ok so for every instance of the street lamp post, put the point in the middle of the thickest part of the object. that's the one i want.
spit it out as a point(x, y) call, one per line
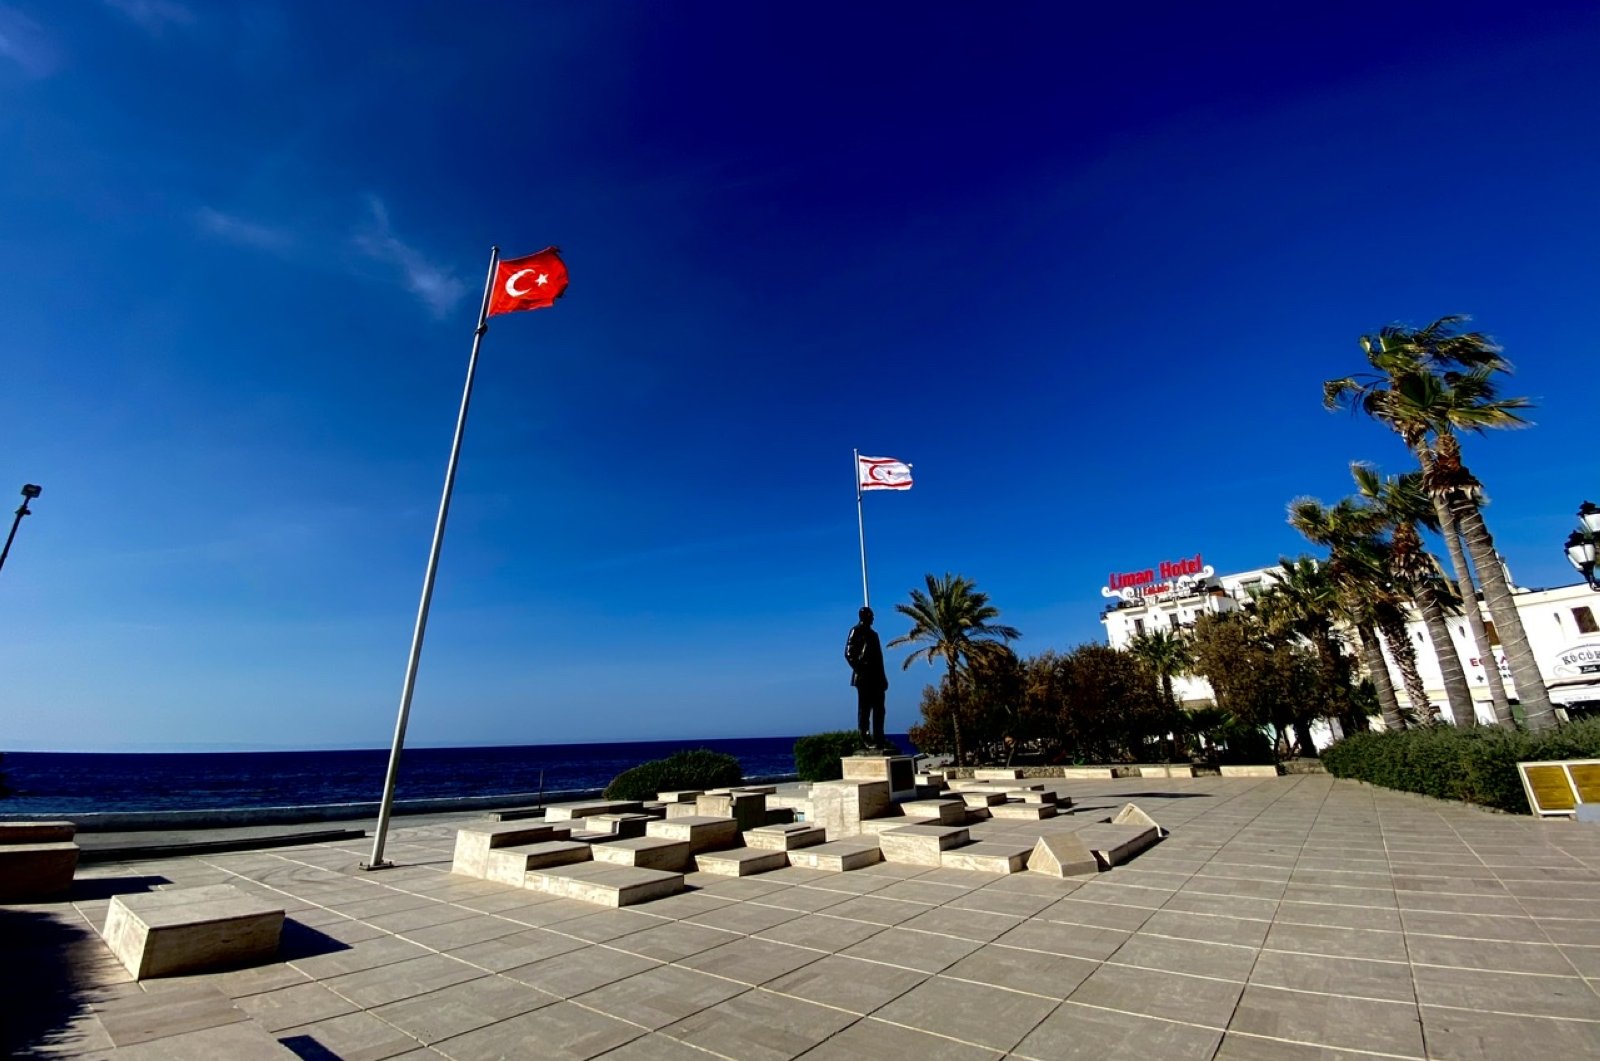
point(1581, 543)
point(29, 492)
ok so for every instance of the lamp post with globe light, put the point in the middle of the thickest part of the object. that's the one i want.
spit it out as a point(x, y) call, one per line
point(1581, 543)
point(29, 492)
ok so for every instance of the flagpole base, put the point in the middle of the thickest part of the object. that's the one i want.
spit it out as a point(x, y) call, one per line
point(370, 866)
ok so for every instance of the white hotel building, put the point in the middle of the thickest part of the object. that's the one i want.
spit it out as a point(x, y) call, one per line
point(1563, 627)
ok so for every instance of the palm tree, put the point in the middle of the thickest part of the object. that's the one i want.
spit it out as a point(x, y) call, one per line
point(952, 622)
point(1303, 599)
point(1402, 504)
point(1356, 564)
point(1167, 654)
point(1427, 385)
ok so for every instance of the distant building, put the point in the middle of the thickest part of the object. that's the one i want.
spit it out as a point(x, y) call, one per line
point(1563, 627)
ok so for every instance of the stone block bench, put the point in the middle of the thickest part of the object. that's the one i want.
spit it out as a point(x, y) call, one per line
point(36, 858)
point(189, 929)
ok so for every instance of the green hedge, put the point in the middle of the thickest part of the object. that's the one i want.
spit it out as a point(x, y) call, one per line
point(700, 768)
point(816, 758)
point(1474, 766)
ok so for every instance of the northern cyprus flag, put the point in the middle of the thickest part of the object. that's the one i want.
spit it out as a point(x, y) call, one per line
point(882, 473)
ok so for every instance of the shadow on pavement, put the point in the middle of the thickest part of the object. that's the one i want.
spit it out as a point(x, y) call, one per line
point(40, 994)
point(107, 887)
point(298, 941)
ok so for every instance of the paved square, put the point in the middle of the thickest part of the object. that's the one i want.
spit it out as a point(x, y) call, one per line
point(1288, 918)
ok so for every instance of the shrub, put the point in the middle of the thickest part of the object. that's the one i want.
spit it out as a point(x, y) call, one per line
point(816, 758)
point(699, 768)
point(1474, 766)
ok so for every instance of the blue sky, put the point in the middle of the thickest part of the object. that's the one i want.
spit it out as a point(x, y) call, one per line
point(1084, 268)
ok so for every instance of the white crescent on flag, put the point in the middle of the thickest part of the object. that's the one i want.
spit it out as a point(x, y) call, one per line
point(882, 473)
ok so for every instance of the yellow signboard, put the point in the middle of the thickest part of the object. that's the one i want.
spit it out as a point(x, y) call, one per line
point(1558, 787)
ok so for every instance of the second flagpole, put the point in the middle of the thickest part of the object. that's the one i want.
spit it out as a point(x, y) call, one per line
point(861, 529)
point(386, 806)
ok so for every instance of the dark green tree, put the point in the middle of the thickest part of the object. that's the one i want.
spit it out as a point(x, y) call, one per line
point(952, 622)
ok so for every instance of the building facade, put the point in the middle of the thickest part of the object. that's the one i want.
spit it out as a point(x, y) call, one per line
point(1562, 623)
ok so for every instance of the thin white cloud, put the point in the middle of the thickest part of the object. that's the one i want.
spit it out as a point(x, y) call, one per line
point(155, 17)
point(244, 233)
point(439, 289)
point(23, 41)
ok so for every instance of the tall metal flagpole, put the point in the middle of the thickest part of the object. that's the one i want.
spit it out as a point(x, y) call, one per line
point(861, 527)
point(387, 805)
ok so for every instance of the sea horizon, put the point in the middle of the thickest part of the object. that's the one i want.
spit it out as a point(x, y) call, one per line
point(63, 783)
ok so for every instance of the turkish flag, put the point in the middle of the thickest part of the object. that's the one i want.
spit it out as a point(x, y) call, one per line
point(533, 282)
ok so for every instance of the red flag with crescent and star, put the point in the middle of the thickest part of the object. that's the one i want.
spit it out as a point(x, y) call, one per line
point(531, 282)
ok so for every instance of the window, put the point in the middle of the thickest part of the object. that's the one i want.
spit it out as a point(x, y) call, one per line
point(1138, 626)
point(1586, 623)
point(1488, 628)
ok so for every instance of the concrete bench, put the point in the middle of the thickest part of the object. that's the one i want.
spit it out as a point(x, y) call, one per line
point(28, 870)
point(36, 858)
point(188, 929)
point(37, 832)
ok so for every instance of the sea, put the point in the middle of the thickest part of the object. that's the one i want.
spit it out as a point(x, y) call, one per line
point(62, 783)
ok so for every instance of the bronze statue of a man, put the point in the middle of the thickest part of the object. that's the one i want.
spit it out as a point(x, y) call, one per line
point(864, 653)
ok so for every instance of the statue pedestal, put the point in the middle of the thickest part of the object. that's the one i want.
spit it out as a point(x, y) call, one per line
point(898, 770)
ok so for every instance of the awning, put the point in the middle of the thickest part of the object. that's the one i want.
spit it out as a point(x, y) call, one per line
point(1574, 690)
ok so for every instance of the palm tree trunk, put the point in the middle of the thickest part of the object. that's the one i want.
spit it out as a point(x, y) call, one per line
point(1450, 527)
point(1456, 692)
point(1378, 671)
point(955, 712)
point(1497, 595)
point(1393, 630)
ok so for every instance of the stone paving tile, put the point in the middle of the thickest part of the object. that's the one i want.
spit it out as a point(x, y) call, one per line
point(235, 1042)
point(821, 932)
point(890, 1042)
point(462, 1007)
point(1329, 915)
point(748, 918)
point(1077, 941)
point(1467, 1035)
point(661, 996)
point(973, 1013)
point(751, 961)
point(850, 984)
point(673, 940)
point(455, 934)
point(560, 1031)
point(1050, 975)
point(919, 951)
point(1473, 926)
point(803, 898)
point(688, 904)
point(963, 924)
point(1329, 1020)
point(1353, 977)
point(390, 983)
point(352, 1037)
point(574, 973)
point(1520, 993)
point(1210, 929)
point(1075, 911)
point(1168, 995)
point(519, 948)
point(286, 1007)
point(141, 1018)
point(993, 901)
point(1483, 954)
point(1077, 1031)
point(606, 925)
point(878, 911)
point(1218, 960)
point(654, 1046)
point(1585, 960)
point(1245, 908)
point(367, 954)
point(760, 1026)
